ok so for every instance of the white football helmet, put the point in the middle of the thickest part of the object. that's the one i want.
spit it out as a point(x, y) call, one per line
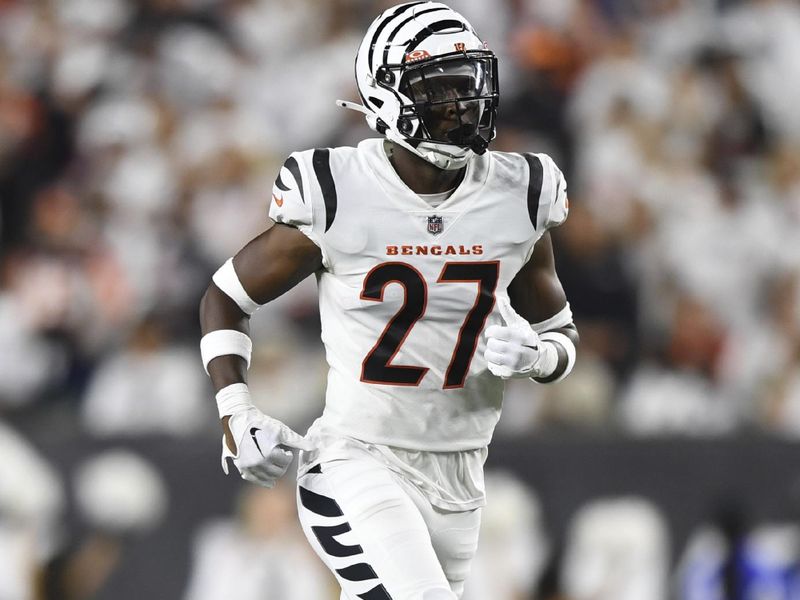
point(428, 83)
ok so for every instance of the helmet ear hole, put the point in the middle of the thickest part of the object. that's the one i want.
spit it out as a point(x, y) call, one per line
point(404, 125)
point(385, 76)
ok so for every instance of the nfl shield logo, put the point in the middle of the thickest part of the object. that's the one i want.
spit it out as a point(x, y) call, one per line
point(435, 224)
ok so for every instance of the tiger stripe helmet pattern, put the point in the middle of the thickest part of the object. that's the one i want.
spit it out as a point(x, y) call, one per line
point(408, 58)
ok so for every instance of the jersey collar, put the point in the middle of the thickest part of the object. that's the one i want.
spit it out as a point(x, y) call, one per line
point(474, 178)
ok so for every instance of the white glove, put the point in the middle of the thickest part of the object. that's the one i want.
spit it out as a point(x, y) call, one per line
point(514, 350)
point(262, 445)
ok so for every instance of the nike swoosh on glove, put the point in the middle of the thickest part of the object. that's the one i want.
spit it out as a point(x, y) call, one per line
point(263, 446)
point(514, 350)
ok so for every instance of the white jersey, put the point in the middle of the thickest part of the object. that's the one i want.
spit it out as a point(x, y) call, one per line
point(407, 289)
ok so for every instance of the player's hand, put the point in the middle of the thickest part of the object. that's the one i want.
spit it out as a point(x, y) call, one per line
point(263, 446)
point(514, 350)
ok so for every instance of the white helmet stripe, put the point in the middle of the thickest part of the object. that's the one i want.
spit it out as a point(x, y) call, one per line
point(431, 30)
point(416, 31)
point(382, 24)
point(412, 23)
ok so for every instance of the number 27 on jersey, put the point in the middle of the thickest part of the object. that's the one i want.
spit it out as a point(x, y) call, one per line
point(377, 366)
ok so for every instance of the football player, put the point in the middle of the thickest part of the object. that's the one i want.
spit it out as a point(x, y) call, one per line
point(436, 283)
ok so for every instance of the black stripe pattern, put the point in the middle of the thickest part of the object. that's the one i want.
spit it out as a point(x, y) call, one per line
point(377, 593)
point(319, 504)
point(328, 507)
point(322, 169)
point(279, 183)
point(357, 572)
point(434, 28)
point(534, 186)
point(381, 27)
point(392, 35)
point(292, 166)
point(326, 537)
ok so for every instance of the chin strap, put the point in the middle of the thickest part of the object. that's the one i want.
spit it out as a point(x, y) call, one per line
point(442, 156)
point(433, 153)
point(479, 145)
point(429, 151)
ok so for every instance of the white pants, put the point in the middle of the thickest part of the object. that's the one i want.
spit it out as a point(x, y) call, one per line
point(380, 536)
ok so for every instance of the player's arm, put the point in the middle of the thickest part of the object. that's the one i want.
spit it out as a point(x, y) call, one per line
point(265, 268)
point(539, 339)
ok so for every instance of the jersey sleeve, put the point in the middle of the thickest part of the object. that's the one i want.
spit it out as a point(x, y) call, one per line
point(553, 203)
point(292, 201)
point(288, 204)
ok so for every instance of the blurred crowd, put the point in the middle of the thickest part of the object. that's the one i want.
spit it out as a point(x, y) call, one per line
point(138, 144)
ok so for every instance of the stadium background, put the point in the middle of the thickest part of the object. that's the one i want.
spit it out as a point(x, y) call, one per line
point(138, 143)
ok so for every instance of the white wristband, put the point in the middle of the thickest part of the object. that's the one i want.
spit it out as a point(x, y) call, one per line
point(233, 398)
point(561, 319)
point(567, 344)
point(228, 281)
point(549, 359)
point(223, 342)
